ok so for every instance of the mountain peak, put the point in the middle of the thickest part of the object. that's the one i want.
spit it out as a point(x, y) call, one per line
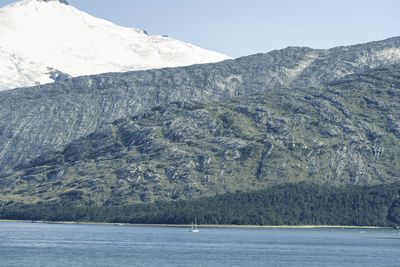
point(59, 1)
point(65, 2)
point(50, 34)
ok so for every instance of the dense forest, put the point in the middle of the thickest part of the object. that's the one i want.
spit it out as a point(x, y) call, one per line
point(291, 204)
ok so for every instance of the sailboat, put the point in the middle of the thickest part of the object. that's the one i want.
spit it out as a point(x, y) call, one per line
point(194, 228)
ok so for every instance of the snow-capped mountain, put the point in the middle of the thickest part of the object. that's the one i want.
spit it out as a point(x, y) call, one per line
point(41, 37)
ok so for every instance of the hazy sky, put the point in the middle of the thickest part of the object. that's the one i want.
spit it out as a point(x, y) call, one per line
point(243, 27)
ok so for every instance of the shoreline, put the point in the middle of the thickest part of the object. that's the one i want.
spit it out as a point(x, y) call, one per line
point(228, 226)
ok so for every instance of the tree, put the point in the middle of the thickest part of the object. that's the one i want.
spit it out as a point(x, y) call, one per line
point(394, 212)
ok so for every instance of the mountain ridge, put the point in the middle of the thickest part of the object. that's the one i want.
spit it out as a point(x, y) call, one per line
point(35, 120)
point(55, 35)
point(65, 2)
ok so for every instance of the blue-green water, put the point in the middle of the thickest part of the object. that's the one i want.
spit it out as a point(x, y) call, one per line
point(25, 244)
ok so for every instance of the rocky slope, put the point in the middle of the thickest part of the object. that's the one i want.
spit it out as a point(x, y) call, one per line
point(35, 120)
point(345, 132)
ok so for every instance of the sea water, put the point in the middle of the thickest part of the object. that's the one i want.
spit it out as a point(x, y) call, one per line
point(36, 244)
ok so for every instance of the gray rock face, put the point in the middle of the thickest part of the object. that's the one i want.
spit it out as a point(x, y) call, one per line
point(343, 133)
point(39, 119)
point(58, 76)
point(58, 1)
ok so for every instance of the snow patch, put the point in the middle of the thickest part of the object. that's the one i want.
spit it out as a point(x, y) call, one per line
point(17, 71)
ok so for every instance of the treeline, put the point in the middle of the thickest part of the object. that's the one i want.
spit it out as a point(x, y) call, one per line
point(292, 204)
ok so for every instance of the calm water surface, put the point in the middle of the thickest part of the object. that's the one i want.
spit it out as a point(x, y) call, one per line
point(25, 244)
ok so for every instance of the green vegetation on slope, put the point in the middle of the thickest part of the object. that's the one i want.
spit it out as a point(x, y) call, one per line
point(292, 204)
point(347, 133)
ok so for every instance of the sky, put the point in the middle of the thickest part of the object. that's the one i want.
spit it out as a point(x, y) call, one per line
point(243, 27)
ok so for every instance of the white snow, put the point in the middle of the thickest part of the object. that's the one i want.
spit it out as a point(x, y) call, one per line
point(36, 36)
